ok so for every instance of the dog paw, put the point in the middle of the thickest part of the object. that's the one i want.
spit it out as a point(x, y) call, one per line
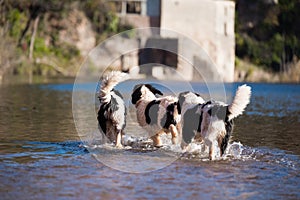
point(119, 146)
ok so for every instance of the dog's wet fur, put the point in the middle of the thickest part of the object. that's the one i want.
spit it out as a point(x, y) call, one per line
point(188, 118)
point(112, 110)
point(156, 115)
point(211, 122)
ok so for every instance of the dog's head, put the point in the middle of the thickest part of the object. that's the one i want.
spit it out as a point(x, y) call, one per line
point(189, 98)
point(146, 91)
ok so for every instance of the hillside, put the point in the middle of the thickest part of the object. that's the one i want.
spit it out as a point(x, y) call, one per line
point(52, 37)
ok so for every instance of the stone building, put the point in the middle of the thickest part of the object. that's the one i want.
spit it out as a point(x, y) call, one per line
point(209, 23)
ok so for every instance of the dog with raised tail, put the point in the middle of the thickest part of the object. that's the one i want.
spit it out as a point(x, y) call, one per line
point(156, 115)
point(214, 119)
point(112, 109)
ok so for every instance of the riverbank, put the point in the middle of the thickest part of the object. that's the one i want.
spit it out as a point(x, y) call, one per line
point(247, 72)
point(244, 72)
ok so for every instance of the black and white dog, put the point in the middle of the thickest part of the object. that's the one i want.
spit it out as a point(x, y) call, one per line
point(112, 110)
point(156, 115)
point(211, 121)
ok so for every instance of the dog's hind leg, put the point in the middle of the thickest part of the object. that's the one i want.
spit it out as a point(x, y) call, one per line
point(212, 149)
point(156, 138)
point(119, 139)
point(175, 135)
point(198, 138)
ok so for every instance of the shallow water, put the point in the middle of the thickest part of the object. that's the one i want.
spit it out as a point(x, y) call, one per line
point(42, 156)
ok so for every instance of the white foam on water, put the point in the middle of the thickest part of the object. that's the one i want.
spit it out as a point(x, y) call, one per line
point(142, 146)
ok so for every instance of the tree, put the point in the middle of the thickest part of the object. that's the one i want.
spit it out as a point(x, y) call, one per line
point(267, 33)
point(289, 27)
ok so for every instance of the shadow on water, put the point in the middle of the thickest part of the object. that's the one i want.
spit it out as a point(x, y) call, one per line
point(41, 155)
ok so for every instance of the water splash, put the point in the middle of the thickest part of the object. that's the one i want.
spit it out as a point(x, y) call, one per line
point(200, 152)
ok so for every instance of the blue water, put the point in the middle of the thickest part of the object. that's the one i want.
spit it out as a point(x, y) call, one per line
point(42, 156)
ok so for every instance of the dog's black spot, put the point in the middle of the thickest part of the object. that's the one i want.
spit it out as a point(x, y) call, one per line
point(151, 112)
point(101, 117)
point(137, 93)
point(181, 99)
point(153, 89)
point(197, 94)
point(117, 93)
point(209, 112)
point(225, 140)
point(179, 108)
point(112, 106)
point(168, 118)
point(192, 121)
point(207, 103)
point(200, 121)
point(219, 111)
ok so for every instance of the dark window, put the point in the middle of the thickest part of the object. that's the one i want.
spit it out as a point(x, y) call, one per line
point(134, 7)
point(160, 51)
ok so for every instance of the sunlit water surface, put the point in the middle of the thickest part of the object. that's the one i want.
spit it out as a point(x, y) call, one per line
point(42, 156)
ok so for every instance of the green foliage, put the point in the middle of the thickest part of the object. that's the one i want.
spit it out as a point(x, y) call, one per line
point(103, 17)
point(17, 21)
point(64, 52)
point(99, 14)
point(273, 39)
point(113, 22)
point(40, 48)
point(268, 53)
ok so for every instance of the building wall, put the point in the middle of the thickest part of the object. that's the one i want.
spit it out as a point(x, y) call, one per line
point(210, 23)
point(225, 39)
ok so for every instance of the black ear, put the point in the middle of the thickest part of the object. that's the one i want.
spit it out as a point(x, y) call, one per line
point(197, 94)
point(178, 107)
point(181, 97)
point(153, 89)
point(136, 95)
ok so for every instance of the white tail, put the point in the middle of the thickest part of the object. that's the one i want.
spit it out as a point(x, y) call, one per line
point(240, 101)
point(108, 82)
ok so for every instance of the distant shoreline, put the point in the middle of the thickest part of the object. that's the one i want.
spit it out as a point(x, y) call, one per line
point(254, 77)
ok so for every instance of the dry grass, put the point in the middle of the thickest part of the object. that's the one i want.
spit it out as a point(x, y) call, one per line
point(245, 71)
